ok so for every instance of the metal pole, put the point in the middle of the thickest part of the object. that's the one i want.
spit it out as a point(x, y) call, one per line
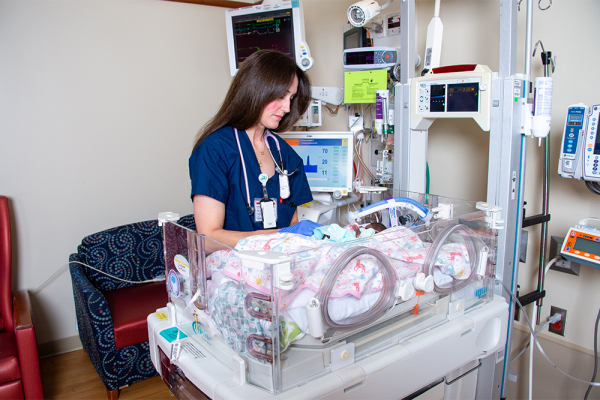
point(545, 210)
point(528, 39)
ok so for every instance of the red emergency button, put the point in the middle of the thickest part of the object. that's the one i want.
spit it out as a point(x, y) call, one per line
point(387, 56)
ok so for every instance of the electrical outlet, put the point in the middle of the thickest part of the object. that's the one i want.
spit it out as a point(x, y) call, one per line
point(558, 327)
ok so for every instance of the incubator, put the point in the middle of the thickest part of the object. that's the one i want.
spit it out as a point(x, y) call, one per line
point(289, 316)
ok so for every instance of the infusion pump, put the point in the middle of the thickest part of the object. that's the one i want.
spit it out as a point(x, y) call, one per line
point(580, 147)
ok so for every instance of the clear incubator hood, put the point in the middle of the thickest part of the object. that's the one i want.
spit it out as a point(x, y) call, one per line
point(282, 310)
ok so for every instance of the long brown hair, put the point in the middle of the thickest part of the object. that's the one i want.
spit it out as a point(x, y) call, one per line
point(263, 77)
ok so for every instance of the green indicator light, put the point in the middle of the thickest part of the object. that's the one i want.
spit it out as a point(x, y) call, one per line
point(516, 99)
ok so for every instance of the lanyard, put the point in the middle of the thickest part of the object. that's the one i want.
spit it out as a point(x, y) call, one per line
point(283, 174)
point(249, 208)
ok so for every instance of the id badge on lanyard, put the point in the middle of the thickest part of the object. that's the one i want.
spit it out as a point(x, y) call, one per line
point(266, 208)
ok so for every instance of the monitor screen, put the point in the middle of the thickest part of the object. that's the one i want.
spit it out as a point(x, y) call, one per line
point(327, 157)
point(275, 26)
point(272, 30)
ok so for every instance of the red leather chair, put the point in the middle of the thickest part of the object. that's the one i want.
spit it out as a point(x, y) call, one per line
point(20, 376)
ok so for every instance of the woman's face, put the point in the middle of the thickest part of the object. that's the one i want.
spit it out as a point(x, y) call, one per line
point(275, 110)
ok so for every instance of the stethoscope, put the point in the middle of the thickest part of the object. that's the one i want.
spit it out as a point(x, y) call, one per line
point(283, 174)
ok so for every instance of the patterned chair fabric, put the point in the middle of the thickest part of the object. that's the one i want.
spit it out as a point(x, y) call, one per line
point(133, 252)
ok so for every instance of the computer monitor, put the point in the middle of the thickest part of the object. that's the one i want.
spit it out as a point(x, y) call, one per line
point(275, 26)
point(356, 37)
point(327, 157)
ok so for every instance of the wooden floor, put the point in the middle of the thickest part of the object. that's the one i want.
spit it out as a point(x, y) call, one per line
point(72, 376)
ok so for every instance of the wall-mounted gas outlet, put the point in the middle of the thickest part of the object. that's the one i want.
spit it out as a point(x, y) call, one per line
point(558, 327)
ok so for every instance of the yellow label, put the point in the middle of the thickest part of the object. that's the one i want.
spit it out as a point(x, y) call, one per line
point(161, 315)
point(361, 86)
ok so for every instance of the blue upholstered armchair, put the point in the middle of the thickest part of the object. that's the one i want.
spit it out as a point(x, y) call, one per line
point(111, 314)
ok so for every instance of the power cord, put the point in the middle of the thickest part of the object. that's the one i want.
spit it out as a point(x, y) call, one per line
point(595, 355)
point(536, 339)
point(557, 317)
point(159, 278)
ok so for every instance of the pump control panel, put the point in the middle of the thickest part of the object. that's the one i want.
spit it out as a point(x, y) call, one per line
point(580, 147)
point(591, 149)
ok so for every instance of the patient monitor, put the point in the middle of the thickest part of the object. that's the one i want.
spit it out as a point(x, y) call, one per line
point(328, 163)
point(460, 91)
point(270, 25)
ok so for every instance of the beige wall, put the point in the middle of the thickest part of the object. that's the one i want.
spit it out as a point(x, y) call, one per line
point(100, 101)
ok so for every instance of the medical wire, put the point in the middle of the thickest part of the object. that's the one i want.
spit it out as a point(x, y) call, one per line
point(535, 334)
point(332, 112)
point(595, 356)
point(356, 150)
point(159, 278)
point(514, 297)
point(380, 308)
point(593, 187)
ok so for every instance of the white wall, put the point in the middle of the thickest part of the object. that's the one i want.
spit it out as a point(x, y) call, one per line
point(100, 101)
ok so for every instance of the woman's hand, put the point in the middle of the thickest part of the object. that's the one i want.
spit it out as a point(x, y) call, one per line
point(305, 227)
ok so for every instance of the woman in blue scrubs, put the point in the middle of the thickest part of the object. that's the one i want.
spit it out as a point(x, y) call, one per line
point(269, 92)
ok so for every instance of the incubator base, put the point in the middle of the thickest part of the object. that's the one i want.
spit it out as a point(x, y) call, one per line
point(412, 363)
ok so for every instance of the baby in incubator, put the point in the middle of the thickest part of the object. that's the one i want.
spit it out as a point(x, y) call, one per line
point(357, 287)
point(337, 234)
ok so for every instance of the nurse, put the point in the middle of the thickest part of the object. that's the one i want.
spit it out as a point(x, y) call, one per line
point(237, 188)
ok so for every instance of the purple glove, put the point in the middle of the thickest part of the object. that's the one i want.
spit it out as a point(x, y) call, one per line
point(305, 227)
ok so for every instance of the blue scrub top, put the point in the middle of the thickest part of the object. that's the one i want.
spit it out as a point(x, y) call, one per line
point(216, 171)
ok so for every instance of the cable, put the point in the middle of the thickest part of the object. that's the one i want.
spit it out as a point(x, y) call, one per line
point(595, 355)
point(159, 278)
point(553, 319)
point(370, 38)
point(537, 341)
point(594, 187)
point(551, 262)
point(332, 112)
point(356, 151)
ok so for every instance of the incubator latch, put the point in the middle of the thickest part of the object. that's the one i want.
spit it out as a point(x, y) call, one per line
point(315, 322)
point(483, 258)
point(404, 290)
point(342, 356)
point(239, 369)
point(456, 309)
point(493, 214)
point(443, 211)
point(423, 283)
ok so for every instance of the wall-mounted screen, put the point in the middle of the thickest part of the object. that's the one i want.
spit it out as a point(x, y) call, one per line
point(274, 26)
